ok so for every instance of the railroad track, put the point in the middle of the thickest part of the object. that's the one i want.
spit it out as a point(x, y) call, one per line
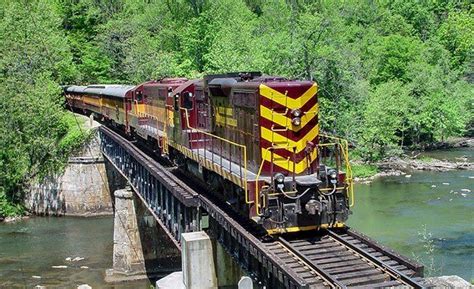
point(346, 259)
point(325, 259)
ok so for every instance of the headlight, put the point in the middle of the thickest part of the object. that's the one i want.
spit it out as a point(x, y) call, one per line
point(332, 176)
point(296, 121)
point(279, 178)
point(296, 112)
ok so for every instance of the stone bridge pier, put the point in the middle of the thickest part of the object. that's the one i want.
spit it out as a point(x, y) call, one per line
point(141, 247)
point(152, 217)
point(142, 250)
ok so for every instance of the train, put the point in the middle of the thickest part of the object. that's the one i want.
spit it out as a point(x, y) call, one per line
point(253, 140)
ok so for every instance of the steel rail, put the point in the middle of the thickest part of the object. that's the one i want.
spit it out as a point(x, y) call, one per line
point(409, 263)
point(268, 260)
point(330, 279)
point(379, 263)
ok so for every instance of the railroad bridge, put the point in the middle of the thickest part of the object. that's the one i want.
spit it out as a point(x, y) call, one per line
point(329, 259)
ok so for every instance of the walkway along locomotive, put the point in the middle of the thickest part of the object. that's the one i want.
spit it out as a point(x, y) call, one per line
point(254, 141)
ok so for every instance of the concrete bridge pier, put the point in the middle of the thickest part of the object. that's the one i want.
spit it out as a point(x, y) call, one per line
point(205, 265)
point(128, 259)
point(139, 247)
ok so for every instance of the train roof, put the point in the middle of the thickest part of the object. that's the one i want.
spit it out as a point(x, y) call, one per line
point(185, 85)
point(115, 90)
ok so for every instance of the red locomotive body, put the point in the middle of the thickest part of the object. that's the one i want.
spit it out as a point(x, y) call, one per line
point(254, 140)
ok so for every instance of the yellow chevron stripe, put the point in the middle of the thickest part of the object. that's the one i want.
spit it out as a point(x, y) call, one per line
point(280, 140)
point(289, 102)
point(285, 121)
point(287, 164)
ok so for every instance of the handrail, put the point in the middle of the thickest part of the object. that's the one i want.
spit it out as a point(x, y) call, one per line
point(257, 197)
point(344, 145)
point(243, 147)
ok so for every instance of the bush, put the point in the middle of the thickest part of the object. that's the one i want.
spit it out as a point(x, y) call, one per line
point(364, 170)
point(75, 135)
point(9, 208)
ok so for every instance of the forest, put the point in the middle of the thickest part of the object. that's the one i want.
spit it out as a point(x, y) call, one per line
point(392, 75)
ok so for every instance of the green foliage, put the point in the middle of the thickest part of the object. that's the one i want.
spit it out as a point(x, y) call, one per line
point(427, 159)
point(9, 208)
point(393, 55)
point(355, 51)
point(227, 52)
point(35, 60)
point(364, 170)
point(75, 135)
point(386, 112)
point(456, 35)
point(391, 74)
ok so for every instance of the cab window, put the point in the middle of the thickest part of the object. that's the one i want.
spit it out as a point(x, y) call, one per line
point(187, 100)
point(176, 102)
point(139, 97)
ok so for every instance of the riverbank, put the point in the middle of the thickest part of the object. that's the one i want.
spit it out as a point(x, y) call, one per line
point(12, 219)
point(401, 166)
point(459, 156)
point(454, 142)
point(424, 164)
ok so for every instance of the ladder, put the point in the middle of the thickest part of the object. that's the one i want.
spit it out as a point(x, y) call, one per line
point(278, 145)
point(275, 145)
point(163, 140)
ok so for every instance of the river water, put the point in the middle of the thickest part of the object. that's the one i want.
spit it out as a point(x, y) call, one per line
point(30, 248)
point(427, 217)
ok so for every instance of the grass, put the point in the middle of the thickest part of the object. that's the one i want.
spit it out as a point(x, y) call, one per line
point(426, 159)
point(364, 170)
point(427, 257)
point(76, 133)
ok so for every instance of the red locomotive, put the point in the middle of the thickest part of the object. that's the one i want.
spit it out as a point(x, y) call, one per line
point(253, 140)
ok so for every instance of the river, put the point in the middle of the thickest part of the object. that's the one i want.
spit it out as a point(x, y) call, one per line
point(30, 248)
point(427, 217)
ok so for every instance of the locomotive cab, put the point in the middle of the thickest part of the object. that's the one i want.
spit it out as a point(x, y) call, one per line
point(262, 138)
point(299, 191)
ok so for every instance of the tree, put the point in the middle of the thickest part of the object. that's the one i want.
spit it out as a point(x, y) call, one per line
point(417, 14)
point(442, 103)
point(386, 111)
point(35, 59)
point(233, 44)
point(391, 56)
point(456, 34)
point(390, 74)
